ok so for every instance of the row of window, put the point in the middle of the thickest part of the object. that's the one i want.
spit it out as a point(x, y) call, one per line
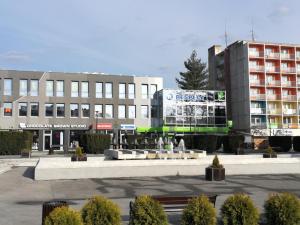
point(77, 89)
point(75, 109)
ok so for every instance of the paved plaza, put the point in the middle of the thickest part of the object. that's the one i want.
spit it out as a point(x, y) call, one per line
point(21, 197)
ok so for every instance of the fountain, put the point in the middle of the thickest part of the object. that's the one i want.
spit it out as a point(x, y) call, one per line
point(181, 145)
point(160, 144)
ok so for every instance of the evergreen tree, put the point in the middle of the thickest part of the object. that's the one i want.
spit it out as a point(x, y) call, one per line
point(196, 76)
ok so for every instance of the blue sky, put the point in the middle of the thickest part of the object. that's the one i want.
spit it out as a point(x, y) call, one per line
point(133, 36)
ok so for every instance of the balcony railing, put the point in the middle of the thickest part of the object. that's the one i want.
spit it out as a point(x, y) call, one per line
point(288, 83)
point(274, 111)
point(289, 111)
point(256, 54)
point(274, 125)
point(298, 56)
point(273, 97)
point(259, 125)
point(272, 55)
point(257, 82)
point(289, 97)
point(258, 111)
point(273, 82)
point(290, 125)
point(272, 69)
point(258, 97)
point(288, 70)
point(298, 69)
point(257, 69)
point(287, 56)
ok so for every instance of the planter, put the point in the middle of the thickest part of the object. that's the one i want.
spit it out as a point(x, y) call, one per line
point(269, 155)
point(214, 174)
point(48, 207)
point(75, 158)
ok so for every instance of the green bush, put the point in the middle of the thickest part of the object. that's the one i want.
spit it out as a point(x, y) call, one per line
point(282, 209)
point(63, 216)
point(13, 142)
point(147, 211)
point(95, 143)
point(239, 209)
point(199, 211)
point(101, 211)
point(216, 163)
point(78, 151)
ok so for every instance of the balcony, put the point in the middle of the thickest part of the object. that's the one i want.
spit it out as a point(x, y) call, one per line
point(259, 125)
point(257, 69)
point(258, 97)
point(272, 69)
point(287, 56)
point(298, 56)
point(273, 82)
point(298, 69)
point(272, 55)
point(290, 125)
point(274, 125)
point(258, 111)
point(255, 82)
point(274, 111)
point(256, 54)
point(273, 97)
point(289, 111)
point(288, 69)
point(288, 83)
point(289, 97)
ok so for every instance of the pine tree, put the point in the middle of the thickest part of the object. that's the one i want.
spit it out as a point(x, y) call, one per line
point(196, 76)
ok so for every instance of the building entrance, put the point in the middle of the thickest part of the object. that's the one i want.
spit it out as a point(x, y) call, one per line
point(47, 140)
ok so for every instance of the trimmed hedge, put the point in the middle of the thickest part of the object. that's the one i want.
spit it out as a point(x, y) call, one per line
point(282, 209)
point(63, 216)
point(147, 211)
point(199, 211)
point(95, 143)
point(13, 142)
point(239, 209)
point(101, 211)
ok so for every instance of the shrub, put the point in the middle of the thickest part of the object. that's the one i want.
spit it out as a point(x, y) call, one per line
point(95, 143)
point(78, 151)
point(147, 211)
point(216, 163)
point(282, 209)
point(13, 142)
point(239, 210)
point(199, 211)
point(63, 216)
point(101, 211)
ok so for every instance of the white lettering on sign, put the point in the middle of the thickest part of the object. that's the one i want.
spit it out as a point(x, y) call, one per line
point(62, 126)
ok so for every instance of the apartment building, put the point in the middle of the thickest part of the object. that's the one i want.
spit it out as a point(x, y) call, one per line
point(57, 107)
point(262, 82)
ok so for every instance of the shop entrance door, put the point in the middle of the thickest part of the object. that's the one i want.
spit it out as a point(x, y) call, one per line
point(47, 139)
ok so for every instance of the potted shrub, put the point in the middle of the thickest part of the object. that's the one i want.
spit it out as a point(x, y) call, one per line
point(101, 211)
point(270, 153)
point(216, 171)
point(78, 156)
point(282, 208)
point(199, 211)
point(63, 216)
point(239, 209)
point(146, 211)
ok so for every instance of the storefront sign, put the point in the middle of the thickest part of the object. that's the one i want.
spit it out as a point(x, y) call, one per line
point(275, 132)
point(194, 96)
point(49, 126)
point(104, 126)
point(127, 127)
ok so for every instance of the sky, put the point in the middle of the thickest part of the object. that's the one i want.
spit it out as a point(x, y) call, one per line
point(134, 37)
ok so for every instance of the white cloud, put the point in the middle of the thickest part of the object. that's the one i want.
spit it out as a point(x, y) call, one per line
point(15, 57)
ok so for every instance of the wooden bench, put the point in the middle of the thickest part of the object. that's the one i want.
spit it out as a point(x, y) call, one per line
point(176, 203)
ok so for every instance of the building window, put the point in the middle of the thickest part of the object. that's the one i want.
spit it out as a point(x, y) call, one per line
point(144, 91)
point(131, 91)
point(49, 109)
point(23, 87)
point(144, 111)
point(153, 89)
point(49, 88)
point(75, 89)
point(7, 106)
point(122, 91)
point(34, 87)
point(74, 110)
point(60, 110)
point(34, 109)
point(108, 90)
point(60, 88)
point(85, 89)
point(85, 110)
point(131, 112)
point(99, 90)
point(22, 109)
point(98, 111)
point(108, 111)
point(7, 87)
point(122, 111)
